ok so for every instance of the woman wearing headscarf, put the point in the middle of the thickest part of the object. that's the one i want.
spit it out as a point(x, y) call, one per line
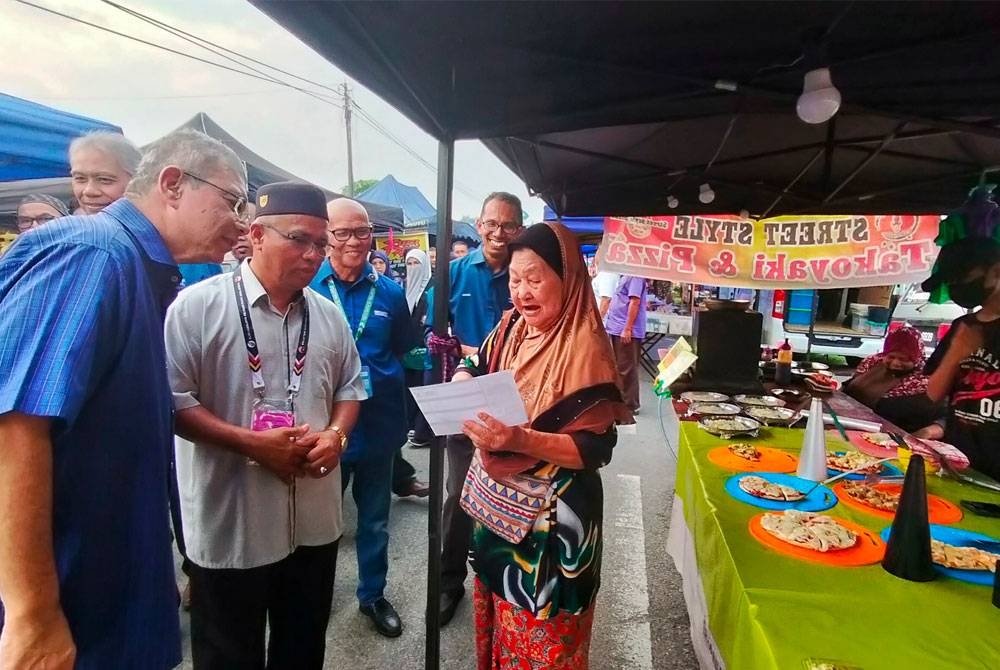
point(36, 209)
point(534, 490)
point(418, 277)
point(380, 261)
point(893, 383)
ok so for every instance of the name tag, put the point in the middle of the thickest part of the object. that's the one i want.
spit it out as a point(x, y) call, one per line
point(366, 379)
point(384, 315)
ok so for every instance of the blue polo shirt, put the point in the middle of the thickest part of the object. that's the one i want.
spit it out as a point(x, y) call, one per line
point(82, 302)
point(192, 273)
point(387, 336)
point(479, 297)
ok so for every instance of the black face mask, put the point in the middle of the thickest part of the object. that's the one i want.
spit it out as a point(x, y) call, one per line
point(968, 294)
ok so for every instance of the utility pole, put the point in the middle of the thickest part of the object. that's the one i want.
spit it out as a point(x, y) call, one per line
point(350, 153)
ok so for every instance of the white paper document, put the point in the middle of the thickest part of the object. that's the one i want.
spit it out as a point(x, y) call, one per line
point(447, 406)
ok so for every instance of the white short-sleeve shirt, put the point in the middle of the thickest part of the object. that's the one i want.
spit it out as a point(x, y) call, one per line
point(237, 514)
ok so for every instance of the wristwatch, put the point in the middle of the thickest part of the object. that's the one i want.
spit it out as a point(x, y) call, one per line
point(343, 436)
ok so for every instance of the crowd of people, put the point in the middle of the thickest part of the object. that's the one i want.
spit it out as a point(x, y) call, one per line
point(190, 367)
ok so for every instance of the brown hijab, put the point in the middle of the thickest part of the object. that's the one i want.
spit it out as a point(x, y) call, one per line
point(566, 375)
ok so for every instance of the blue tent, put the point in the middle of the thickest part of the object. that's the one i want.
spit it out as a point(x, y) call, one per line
point(581, 225)
point(36, 138)
point(418, 213)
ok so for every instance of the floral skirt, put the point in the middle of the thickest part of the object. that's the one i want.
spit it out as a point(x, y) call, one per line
point(511, 638)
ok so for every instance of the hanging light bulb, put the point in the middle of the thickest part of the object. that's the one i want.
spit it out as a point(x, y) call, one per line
point(705, 194)
point(820, 99)
point(672, 202)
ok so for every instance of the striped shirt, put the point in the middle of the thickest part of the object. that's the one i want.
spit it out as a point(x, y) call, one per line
point(82, 302)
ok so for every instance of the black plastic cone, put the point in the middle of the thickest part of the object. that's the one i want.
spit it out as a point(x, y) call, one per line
point(908, 552)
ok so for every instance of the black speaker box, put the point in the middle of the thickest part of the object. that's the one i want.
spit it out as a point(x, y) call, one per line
point(727, 342)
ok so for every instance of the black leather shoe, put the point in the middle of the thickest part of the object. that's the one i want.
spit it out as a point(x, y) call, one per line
point(449, 603)
point(415, 488)
point(384, 616)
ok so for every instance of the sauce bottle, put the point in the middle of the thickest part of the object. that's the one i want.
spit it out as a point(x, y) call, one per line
point(783, 365)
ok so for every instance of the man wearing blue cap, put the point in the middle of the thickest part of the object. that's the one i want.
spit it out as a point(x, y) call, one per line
point(266, 382)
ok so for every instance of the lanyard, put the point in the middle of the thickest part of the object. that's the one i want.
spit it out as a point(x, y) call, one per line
point(253, 353)
point(335, 296)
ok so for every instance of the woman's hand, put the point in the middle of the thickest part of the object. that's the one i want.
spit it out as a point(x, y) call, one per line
point(461, 376)
point(493, 435)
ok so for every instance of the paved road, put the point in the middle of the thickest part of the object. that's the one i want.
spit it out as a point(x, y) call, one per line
point(641, 622)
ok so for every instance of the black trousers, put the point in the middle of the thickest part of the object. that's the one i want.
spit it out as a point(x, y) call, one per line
point(230, 610)
point(456, 524)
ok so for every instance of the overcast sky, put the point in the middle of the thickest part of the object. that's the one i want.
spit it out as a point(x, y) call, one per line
point(148, 92)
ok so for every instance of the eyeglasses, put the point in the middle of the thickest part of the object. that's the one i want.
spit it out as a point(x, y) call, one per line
point(27, 222)
point(509, 227)
point(300, 241)
point(236, 201)
point(343, 234)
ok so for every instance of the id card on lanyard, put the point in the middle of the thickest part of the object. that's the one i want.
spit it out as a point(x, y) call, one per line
point(366, 375)
point(268, 413)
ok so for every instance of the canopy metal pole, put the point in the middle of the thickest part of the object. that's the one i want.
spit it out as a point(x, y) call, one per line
point(446, 178)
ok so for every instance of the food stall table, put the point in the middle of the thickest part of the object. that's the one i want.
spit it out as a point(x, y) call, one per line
point(751, 607)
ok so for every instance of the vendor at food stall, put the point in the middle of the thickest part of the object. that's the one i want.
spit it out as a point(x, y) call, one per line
point(968, 373)
point(893, 384)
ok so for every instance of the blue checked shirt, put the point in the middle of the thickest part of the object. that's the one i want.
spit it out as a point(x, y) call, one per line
point(82, 302)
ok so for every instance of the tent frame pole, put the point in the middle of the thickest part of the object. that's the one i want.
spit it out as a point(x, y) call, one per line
point(445, 187)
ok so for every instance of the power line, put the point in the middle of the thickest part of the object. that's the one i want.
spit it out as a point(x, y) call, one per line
point(250, 71)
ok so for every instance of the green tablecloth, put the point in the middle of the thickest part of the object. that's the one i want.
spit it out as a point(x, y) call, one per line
point(768, 610)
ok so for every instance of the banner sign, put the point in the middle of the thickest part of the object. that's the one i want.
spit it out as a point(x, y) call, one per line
point(832, 251)
point(395, 246)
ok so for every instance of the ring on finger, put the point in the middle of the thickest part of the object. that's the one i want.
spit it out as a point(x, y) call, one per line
point(323, 469)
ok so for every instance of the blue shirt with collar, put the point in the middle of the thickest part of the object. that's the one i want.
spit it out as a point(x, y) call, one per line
point(387, 336)
point(479, 297)
point(192, 273)
point(82, 303)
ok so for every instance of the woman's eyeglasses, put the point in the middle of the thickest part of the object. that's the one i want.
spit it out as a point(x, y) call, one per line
point(27, 222)
point(344, 234)
point(236, 201)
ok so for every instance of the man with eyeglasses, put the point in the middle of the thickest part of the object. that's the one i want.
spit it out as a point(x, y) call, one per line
point(86, 566)
point(479, 296)
point(267, 386)
point(376, 309)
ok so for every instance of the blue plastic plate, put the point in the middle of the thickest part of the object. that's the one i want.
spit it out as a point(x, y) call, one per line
point(821, 498)
point(959, 538)
point(888, 470)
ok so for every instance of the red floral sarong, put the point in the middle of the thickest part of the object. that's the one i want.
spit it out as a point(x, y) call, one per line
point(511, 638)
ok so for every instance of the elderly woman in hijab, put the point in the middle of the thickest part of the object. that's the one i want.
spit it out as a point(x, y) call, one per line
point(534, 490)
point(893, 383)
point(37, 209)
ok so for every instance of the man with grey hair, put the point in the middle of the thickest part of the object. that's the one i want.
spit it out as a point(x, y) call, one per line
point(86, 568)
point(101, 164)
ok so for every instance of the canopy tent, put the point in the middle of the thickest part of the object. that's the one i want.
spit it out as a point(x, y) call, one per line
point(36, 138)
point(418, 212)
point(581, 225)
point(261, 171)
point(611, 107)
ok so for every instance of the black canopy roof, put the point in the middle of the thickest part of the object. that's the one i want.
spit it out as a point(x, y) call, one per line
point(608, 107)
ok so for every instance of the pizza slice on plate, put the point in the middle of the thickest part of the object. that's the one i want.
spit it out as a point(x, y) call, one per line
point(853, 460)
point(879, 440)
point(761, 488)
point(962, 558)
point(809, 530)
point(745, 451)
point(869, 495)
